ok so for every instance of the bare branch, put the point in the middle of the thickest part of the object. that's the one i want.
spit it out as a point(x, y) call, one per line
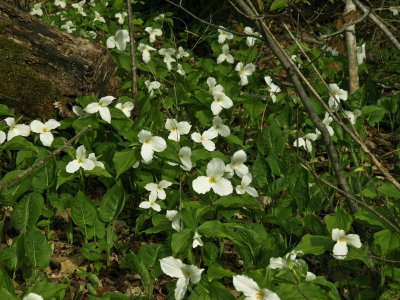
point(132, 51)
point(351, 47)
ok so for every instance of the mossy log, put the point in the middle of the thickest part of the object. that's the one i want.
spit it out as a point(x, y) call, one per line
point(43, 69)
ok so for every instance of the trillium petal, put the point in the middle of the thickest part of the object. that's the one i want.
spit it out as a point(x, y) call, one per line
point(155, 206)
point(277, 263)
point(158, 144)
point(147, 152)
point(208, 145)
point(270, 295)
point(72, 166)
point(10, 121)
point(201, 185)
point(222, 187)
point(104, 101)
point(215, 167)
point(239, 157)
point(337, 234)
point(196, 137)
point(33, 296)
point(195, 273)
point(92, 108)
point(151, 187)
point(37, 126)
point(340, 250)
point(209, 135)
point(144, 135)
point(216, 108)
point(172, 266)
point(81, 152)
point(23, 130)
point(246, 285)
point(12, 133)
point(144, 204)
point(184, 127)
point(240, 190)
point(46, 138)
point(105, 114)
point(165, 184)
point(353, 240)
point(2, 137)
point(87, 164)
point(181, 287)
point(252, 191)
point(52, 124)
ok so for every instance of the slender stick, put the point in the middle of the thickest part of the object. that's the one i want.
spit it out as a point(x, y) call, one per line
point(43, 161)
point(132, 50)
point(351, 47)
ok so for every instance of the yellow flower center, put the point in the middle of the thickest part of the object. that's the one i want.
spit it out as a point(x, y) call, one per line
point(148, 141)
point(342, 239)
point(44, 130)
point(212, 180)
point(181, 156)
point(100, 104)
point(173, 129)
point(79, 161)
point(151, 203)
point(14, 127)
point(218, 100)
point(259, 294)
point(234, 164)
point(202, 139)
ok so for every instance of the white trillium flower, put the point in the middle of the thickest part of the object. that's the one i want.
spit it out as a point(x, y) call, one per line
point(272, 88)
point(251, 289)
point(153, 32)
point(173, 216)
point(37, 10)
point(244, 186)
point(310, 276)
point(197, 240)
point(333, 51)
point(181, 53)
point(342, 240)
point(174, 267)
point(245, 71)
point(205, 139)
point(305, 141)
point(79, 7)
point(157, 189)
point(327, 121)
point(32, 296)
point(145, 50)
point(168, 59)
point(16, 129)
point(46, 136)
point(225, 55)
point(98, 17)
point(213, 86)
point(352, 115)
point(126, 108)
point(224, 35)
point(336, 94)
point(101, 107)
point(121, 17)
point(184, 155)
point(220, 127)
point(60, 3)
point(118, 40)
point(150, 144)
point(80, 162)
point(361, 54)
point(68, 27)
point(97, 163)
point(151, 86)
point(237, 165)
point(2, 137)
point(180, 70)
point(177, 129)
point(282, 263)
point(220, 101)
point(214, 179)
point(150, 204)
point(394, 10)
point(159, 17)
point(250, 40)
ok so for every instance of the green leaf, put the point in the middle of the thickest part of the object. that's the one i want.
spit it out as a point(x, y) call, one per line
point(19, 143)
point(237, 201)
point(181, 241)
point(315, 244)
point(13, 191)
point(27, 211)
point(48, 290)
point(341, 220)
point(44, 176)
point(216, 271)
point(148, 254)
point(6, 295)
point(5, 281)
point(210, 291)
point(370, 218)
point(277, 4)
point(37, 249)
point(389, 190)
point(112, 203)
point(276, 165)
point(271, 141)
point(134, 262)
point(124, 160)
point(82, 211)
point(260, 172)
point(373, 114)
point(387, 240)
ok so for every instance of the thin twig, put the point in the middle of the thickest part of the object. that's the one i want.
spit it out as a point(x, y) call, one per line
point(369, 256)
point(132, 51)
point(351, 47)
point(43, 161)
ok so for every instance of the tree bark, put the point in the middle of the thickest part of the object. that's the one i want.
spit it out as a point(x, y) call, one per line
point(43, 69)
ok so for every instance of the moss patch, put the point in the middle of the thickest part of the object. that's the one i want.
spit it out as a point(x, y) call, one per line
point(21, 87)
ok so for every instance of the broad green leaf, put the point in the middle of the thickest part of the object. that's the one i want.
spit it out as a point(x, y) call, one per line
point(83, 212)
point(341, 220)
point(277, 4)
point(216, 271)
point(370, 218)
point(4, 110)
point(63, 177)
point(210, 291)
point(389, 190)
point(275, 165)
point(19, 143)
point(27, 211)
point(124, 160)
point(37, 249)
point(271, 141)
point(7, 295)
point(48, 290)
point(134, 262)
point(44, 176)
point(112, 203)
point(148, 254)
point(210, 253)
point(5, 281)
point(214, 229)
point(237, 201)
point(260, 172)
point(304, 290)
point(315, 244)
point(373, 114)
point(181, 241)
point(387, 240)
point(301, 191)
point(13, 191)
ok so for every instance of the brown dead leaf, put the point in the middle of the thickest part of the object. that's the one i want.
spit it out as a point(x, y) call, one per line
point(70, 264)
point(334, 65)
point(352, 16)
point(337, 44)
point(338, 24)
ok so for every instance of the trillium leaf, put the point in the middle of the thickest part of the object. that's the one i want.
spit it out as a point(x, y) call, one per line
point(112, 203)
point(314, 244)
point(37, 249)
point(124, 160)
point(387, 240)
point(83, 212)
point(27, 212)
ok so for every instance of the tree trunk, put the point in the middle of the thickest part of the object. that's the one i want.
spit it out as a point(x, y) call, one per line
point(42, 69)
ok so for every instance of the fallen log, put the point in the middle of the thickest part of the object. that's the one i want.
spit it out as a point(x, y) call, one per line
point(43, 69)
